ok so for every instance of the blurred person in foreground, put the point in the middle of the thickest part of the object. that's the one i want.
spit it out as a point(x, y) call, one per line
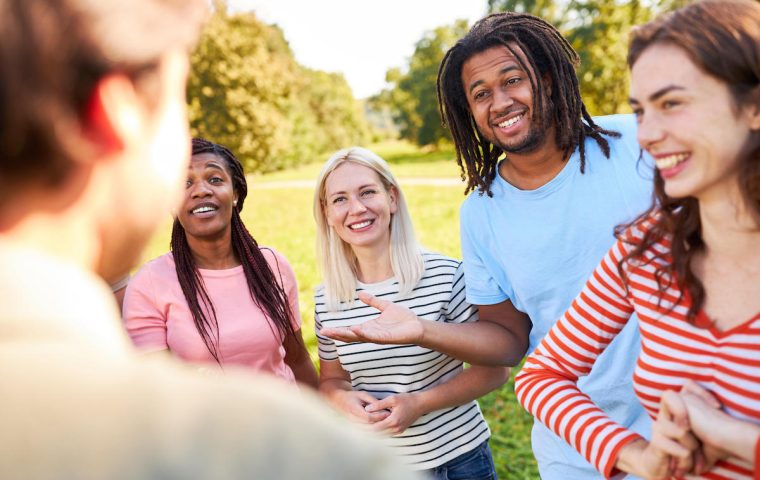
point(94, 142)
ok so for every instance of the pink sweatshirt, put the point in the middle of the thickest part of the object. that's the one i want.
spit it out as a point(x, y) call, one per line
point(157, 317)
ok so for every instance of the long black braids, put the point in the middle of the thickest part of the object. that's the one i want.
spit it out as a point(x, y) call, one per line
point(265, 288)
point(547, 53)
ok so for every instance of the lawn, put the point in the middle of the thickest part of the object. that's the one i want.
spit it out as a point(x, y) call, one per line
point(280, 217)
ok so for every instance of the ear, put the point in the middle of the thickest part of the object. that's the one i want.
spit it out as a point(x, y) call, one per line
point(114, 116)
point(546, 80)
point(393, 197)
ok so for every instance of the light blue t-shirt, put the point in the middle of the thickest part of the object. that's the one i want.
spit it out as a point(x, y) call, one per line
point(538, 247)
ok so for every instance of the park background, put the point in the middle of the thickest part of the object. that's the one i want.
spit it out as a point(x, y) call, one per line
point(282, 119)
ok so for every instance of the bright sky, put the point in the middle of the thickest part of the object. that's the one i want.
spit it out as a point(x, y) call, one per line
point(359, 38)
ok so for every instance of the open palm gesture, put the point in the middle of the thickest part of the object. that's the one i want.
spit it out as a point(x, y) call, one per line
point(395, 325)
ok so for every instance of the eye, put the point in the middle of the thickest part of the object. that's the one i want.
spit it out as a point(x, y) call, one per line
point(188, 183)
point(368, 192)
point(513, 81)
point(668, 104)
point(337, 200)
point(638, 112)
point(480, 94)
point(215, 180)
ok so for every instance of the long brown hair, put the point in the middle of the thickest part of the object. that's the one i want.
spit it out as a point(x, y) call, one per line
point(548, 54)
point(264, 287)
point(722, 38)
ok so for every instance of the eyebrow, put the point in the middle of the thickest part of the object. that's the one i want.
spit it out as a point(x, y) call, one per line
point(659, 93)
point(343, 192)
point(504, 70)
point(215, 166)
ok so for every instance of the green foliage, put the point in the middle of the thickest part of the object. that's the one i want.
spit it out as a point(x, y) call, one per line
point(246, 91)
point(412, 97)
point(598, 30)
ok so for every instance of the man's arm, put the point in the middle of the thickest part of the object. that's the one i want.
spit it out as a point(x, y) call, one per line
point(499, 338)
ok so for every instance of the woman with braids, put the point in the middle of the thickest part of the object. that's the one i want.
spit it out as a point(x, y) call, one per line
point(219, 298)
point(688, 267)
point(423, 399)
point(548, 186)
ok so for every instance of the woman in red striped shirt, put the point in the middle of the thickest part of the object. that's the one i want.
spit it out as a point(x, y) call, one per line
point(688, 267)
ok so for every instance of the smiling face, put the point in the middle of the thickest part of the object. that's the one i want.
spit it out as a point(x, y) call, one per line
point(358, 206)
point(500, 98)
point(689, 122)
point(206, 210)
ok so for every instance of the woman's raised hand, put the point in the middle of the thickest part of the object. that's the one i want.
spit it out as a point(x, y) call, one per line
point(395, 325)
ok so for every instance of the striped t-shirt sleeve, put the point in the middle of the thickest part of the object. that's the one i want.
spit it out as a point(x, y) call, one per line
point(326, 346)
point(547, 385)
point(458, 309)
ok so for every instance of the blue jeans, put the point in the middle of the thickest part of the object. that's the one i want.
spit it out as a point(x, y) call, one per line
point(477, 464)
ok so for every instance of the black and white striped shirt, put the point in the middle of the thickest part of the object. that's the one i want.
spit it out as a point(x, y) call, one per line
point(384, 370)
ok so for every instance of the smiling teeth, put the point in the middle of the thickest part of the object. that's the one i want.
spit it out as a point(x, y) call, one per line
point(204, 209)
point(357, 226)
point(511, 121)
point(670, 161)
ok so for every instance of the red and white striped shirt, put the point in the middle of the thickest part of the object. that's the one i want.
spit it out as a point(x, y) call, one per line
point(672, 350)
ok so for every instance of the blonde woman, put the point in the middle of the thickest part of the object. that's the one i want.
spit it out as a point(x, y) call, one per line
point(423, 399)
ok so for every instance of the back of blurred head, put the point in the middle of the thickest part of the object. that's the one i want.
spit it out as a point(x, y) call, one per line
point(93, 128)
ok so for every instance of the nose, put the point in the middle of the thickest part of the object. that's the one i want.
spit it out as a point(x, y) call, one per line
point(650, 131)
point(356, 206)
point(502, 100)
point(200, 190)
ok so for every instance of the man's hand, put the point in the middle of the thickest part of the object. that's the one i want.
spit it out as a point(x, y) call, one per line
point(395, 325)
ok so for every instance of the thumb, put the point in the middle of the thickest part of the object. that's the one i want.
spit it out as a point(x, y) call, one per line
point(373, 301)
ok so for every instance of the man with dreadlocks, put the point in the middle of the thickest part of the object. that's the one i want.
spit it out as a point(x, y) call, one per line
point(94, 146)
point(549, 183)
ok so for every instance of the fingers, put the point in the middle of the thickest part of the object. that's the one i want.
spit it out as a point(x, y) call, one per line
point(691, 387)
point(365, 397)
point(378, 405)
point(390, 425)
point(343, 334)
point(373, 301)
point(673, 408)
point(671, 434)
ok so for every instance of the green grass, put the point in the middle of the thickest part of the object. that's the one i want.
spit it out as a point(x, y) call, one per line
point(408, 161)
point(281, 218)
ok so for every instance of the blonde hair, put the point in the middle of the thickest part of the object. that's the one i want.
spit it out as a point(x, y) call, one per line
point(337, 262)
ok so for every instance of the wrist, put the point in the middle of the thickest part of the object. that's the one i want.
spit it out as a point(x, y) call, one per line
point(418, 402)
point(737, 437)
point(629, 456)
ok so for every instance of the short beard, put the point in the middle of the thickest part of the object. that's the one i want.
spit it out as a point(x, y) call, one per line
point(536, 135)
point(532, 142)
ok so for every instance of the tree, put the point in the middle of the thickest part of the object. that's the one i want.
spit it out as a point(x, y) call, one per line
point(412, 97)
point(598, 30)
point(247, 92)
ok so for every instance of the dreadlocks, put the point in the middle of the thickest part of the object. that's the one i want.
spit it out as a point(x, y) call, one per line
point(266, 291)
point(547, 53)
